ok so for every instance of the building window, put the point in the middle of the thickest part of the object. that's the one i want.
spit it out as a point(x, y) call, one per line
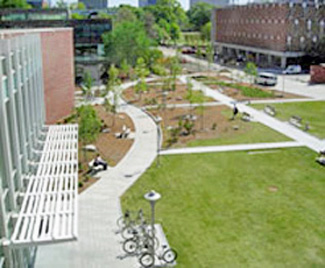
point(315, 39)
point(309, 25)
point(296, 22)
point(302, 39)
point(289, 39)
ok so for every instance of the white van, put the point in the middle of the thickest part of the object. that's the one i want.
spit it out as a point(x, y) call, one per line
point(266, 79)
point(292, 69)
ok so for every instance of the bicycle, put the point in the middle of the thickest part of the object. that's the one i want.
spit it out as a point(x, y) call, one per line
point(128, 225)
point(141, 239)
point(147, 259)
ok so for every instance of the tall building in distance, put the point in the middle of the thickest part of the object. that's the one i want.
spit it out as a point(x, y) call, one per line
point(95, 4)
point(216, 3)
point(36, 3)
point(143, 3)
point(32, 178)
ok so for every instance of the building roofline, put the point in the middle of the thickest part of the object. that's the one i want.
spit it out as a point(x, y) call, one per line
point(34, 30)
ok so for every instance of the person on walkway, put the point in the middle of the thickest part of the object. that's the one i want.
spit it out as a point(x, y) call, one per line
point(235, 112)
point(99, 161)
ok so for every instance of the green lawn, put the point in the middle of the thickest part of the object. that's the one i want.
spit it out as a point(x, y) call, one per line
point(249, 132)
point(311, 112)
point(253, 133)
point(217, 210)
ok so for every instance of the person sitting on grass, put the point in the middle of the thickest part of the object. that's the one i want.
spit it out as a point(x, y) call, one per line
point(99, 161)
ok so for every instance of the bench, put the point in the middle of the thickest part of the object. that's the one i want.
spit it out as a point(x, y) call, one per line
point(295, 121)
point(321, 160)
point(94, 169)
point(246, 117)
point(270, 110)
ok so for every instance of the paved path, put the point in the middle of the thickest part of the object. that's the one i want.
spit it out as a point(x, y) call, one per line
point(282, 127)
point(99, 207)
point(229, 148)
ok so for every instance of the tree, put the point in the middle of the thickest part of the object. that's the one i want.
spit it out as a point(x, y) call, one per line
point(251, 71)
point(112, 87)
point(89, 125)
point(128, 41)
point(209, 54)
point(125, 14)
point(125, 69)
point(175, 70)
point(61, 4)
point(206, 31)
point(87, 85)
point(77, 6)
point(199, 14)
point(189, 94)
point(141, 72)
point(14, 4)
point(200, 98)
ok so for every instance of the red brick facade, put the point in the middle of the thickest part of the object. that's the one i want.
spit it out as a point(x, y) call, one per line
point(276, 27)
point(317, 73)
point(261, 26)
point(58, 73)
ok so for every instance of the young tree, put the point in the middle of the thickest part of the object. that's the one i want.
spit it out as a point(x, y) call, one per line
point(200, 98)
point(112, 87)
point(251, 71)
point(125, 69)
point(89, 125)
point(88, 83)
point(175, 70)
point(14, 4)
point(189, 94)
point(206, 31)
point(141, 72)
point(209, 55)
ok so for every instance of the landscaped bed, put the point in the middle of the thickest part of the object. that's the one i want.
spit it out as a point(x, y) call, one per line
point(311, 113)
point(243, 91)
point(155, 95)
point(111, 149)
point(239, 209)
point(217, 128)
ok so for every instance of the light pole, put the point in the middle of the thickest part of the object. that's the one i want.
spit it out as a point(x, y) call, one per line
point(158, 119)
point(152, 197)
point(283, 78)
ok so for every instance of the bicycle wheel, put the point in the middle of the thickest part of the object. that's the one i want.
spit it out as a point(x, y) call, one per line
point(170, 255)
point(120, 222)
point(147, 260)
point(130, 246)
point(128, 232)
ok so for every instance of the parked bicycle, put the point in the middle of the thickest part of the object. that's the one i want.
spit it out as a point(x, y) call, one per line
point(168, 255)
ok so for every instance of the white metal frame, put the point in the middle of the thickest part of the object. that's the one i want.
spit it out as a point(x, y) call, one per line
point(50, 207)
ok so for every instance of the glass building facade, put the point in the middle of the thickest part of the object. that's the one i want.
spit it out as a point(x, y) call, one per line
point(22, 116)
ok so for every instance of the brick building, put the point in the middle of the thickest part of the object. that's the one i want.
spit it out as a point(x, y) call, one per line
point(270, 34)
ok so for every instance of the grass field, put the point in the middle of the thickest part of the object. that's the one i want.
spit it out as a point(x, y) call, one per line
point(239, 209)
point(311, 112)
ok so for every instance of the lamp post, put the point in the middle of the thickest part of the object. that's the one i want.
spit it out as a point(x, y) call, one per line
point(158, 119)
point(152, 197)
point(283, 78)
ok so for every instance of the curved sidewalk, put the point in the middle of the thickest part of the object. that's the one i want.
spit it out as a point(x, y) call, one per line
point(99, 207)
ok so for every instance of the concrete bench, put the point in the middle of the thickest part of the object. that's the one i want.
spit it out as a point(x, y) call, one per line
point(295, 121)
point(270, 110)
point(246, 117)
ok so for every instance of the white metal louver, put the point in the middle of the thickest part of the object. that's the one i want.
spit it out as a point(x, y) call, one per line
point(49, 209)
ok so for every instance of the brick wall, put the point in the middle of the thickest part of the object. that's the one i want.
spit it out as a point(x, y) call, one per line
point(262, 26)
point(58, 73)
point(317, 73)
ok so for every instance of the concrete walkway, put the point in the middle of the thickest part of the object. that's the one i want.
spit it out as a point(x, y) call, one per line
point(230, 148)
point(99, 207)
point(282, 127)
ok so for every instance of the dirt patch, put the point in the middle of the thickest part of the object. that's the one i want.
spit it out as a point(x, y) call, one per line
point(216, 123)
point(155, 95)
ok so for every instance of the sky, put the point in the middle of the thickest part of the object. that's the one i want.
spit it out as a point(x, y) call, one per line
point(184, 3)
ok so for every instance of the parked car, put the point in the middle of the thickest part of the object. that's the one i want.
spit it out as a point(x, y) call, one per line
point(293, 69)
point(266, 79)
